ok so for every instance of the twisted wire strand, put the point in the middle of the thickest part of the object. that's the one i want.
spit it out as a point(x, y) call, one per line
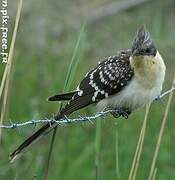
point(67, 120)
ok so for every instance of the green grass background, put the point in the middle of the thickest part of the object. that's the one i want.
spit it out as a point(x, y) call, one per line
point(46, 39)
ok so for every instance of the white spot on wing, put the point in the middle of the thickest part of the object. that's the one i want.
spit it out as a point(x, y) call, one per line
point(80, 93)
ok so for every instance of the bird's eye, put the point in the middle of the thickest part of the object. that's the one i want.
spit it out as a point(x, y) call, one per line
point(147, 50)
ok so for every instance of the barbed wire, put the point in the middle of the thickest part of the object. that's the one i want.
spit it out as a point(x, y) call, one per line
point(67, 120)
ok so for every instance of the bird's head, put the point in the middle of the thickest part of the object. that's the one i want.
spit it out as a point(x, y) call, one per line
point(143, 45)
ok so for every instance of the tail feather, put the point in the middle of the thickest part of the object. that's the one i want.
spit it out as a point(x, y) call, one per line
point(34, 137)
point(15, 154)
point(71, 107)
point(62, 97)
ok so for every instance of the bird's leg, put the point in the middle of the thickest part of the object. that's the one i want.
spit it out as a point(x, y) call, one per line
point(124, 112)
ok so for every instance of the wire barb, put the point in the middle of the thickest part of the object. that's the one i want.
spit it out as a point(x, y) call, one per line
point(66, 120)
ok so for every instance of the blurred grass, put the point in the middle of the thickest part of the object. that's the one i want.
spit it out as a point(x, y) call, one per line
point(69, 79)
point(153, 169)
point(139, 148)
point(42, 56)
point(97, 149)
point(117, 154)
point(5, 81)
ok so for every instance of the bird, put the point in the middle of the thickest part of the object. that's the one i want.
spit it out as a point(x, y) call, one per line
point(123, 82)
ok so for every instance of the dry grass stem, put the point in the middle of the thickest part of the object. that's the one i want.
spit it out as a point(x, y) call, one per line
point(139, 147)
point(161, 133)
point(6, 76)
point(154, 174)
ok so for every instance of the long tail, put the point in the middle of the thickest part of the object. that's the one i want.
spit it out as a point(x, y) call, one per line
point(74, 105)
point(62, 97)
point(29, 141)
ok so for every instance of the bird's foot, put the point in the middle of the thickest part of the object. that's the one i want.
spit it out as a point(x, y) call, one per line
point(124, 112)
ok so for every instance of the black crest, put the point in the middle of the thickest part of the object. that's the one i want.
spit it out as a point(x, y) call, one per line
point(143, 43)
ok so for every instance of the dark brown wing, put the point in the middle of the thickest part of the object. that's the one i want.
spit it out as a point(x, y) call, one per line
point(108, 78)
